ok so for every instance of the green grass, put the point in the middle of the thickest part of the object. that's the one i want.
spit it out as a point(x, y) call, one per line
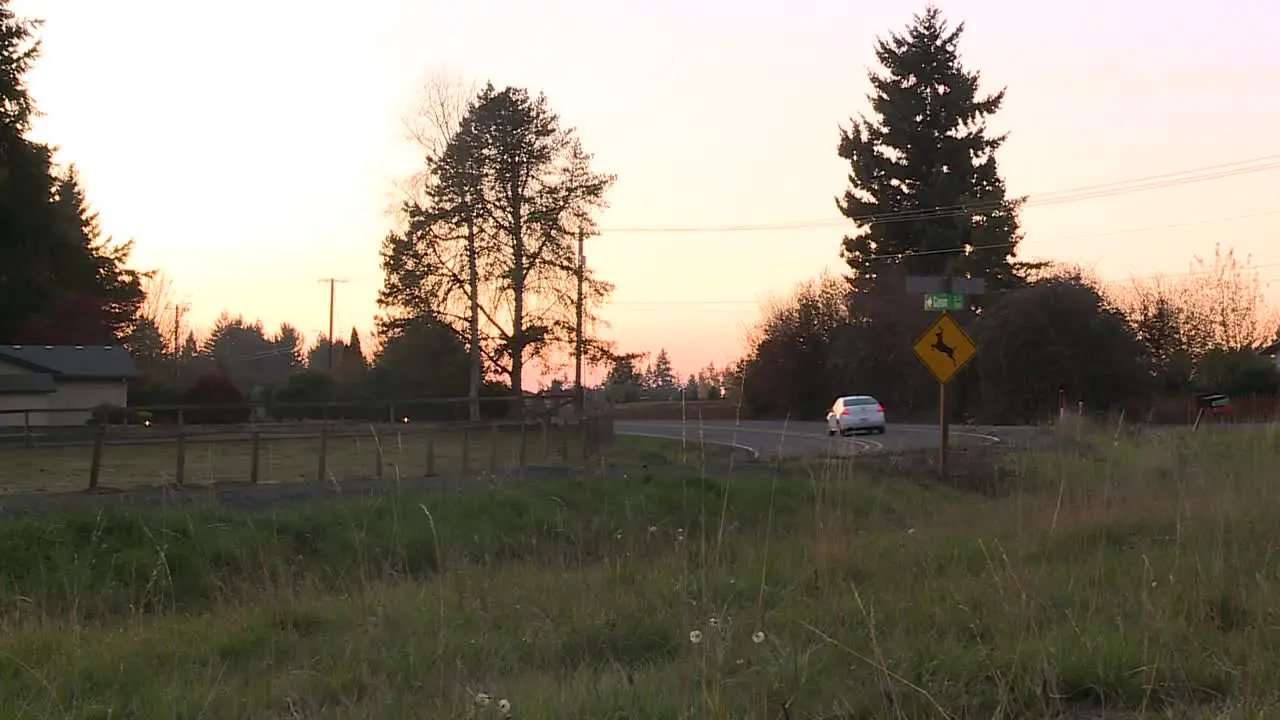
point(217, 457)
point(1131, 578)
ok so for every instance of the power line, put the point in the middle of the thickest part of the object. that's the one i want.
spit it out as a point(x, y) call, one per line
point(945, 251)
point(735, 306)
point(1078, 194)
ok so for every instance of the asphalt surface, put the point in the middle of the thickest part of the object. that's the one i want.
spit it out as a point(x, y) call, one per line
point(777, 439)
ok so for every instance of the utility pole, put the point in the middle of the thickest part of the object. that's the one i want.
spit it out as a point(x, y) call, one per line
point(580, 395)
point(332, 282)
point(178, 309)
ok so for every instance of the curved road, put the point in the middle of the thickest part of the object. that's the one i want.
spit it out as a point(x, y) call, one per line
point(775, 438)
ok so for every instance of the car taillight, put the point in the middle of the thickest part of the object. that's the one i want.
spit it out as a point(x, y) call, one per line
point(845, 411)
point(880, 408)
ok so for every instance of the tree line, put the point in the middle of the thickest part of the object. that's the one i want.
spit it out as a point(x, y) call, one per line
point(628, 381)
point(926, 199)
point(480, 280)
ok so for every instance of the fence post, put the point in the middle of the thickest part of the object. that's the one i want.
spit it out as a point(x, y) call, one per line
point(377, 457)
point(254, 454)
point(546, 441)
point(565, 430)
point(584, 435)
point(431, 453)
point(26, 429)
point(95, 465)
point(493, 447)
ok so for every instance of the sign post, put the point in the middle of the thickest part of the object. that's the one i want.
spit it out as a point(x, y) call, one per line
point(944, 349)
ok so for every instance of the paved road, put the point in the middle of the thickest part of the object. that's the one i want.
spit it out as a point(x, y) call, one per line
point(772, 438)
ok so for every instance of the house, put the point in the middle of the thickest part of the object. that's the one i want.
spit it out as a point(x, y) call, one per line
point(1272, 351)
point(41, 384)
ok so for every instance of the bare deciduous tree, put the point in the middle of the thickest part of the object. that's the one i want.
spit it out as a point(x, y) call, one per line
point(1219, 305)
point(438, 109)
point(162, 307)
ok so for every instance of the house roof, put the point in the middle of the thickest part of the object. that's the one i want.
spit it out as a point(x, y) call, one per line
point(1271, 349)
point(26, 384)
point(73, 362)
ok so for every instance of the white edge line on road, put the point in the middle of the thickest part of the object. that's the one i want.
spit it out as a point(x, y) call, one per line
point(984, 436)
point(771, 431)
point(755, 455)
point(864, 445)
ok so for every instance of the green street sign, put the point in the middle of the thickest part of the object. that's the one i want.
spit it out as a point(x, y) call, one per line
point(944, 301)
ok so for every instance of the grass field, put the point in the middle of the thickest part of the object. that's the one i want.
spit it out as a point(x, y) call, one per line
point(690, 411)
point(1116, 579)
point(352, 453)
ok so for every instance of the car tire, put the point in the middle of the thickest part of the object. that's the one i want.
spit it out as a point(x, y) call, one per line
point(831, 432)
point(880, 430)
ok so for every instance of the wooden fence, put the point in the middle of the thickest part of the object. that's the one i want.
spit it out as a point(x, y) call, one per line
point(125, 455)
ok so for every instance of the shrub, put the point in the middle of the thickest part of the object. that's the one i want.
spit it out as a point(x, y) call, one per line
point(215, 400)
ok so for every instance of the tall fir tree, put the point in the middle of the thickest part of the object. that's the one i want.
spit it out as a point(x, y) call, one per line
point(924, 186)
point(54, 261)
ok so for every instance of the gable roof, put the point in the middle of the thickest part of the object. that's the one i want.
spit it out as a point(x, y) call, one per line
point(73, 362)
point(1271, 349)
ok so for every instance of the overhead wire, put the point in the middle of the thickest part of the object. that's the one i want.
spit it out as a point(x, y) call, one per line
point(1079, 194)
point(724, 305)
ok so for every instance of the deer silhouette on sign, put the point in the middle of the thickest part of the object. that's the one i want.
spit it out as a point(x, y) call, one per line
point(942, 347)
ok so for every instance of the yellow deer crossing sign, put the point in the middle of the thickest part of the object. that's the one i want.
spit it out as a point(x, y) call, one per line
point(945, 348)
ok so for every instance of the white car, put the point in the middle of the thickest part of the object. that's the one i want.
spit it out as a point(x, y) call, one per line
point(854, 413)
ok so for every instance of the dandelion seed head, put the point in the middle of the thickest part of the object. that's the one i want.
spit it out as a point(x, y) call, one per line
point(757, 637)
point(695, 636)
point(482, 699)
point(504, 706)
point(714, 621)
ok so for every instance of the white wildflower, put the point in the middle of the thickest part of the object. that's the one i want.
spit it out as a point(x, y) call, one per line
point(757, 637)
point(714, 622)
point(482, 699)
point(504, 706)
point(695, 636)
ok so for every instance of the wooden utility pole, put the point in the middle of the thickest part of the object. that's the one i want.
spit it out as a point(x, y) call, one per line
point(178, 309)
point(332, 282)
point(580, 397)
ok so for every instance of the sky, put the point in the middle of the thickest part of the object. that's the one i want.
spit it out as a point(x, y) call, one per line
point(253, 148)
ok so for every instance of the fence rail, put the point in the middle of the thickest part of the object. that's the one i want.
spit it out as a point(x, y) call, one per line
point(131, 455)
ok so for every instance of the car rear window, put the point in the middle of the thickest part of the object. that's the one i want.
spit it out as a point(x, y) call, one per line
point(858, 401)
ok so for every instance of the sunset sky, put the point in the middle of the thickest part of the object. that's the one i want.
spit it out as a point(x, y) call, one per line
point(252, 148)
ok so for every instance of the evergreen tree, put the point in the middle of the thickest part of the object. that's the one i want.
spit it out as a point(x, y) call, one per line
point(97, 262)
point(54, 262)
point(318, 355)
point(26, 191)
point(923, 174)
point(351, 364)
point(353, 353)
point(288, 342)
point(661, 377)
